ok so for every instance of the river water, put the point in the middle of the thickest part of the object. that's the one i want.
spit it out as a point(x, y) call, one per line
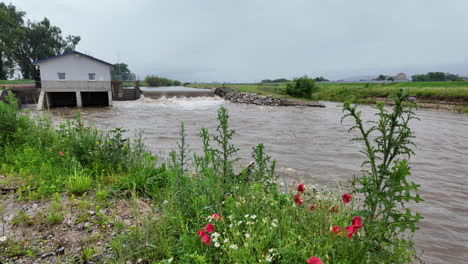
point(311, 144)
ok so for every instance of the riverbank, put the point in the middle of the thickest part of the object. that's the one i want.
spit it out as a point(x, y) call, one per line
point(230, 94)
point(451, 96)
point(73, 178)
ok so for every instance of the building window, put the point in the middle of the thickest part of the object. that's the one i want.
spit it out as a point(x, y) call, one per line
point(61, 75)
point(91, 76)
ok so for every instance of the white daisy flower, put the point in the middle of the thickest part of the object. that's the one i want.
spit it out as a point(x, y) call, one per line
point(233, 246)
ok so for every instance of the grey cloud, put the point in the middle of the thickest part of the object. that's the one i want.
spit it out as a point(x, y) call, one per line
point(248, 40)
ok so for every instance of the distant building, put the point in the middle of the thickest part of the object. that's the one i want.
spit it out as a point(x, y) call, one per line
point(74, 79)
point(401, 76)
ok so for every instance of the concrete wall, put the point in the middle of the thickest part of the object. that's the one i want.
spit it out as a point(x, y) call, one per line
point(76, 68)
point(69, 86)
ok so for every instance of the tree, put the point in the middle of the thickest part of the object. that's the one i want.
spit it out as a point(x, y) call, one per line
point(155, 81)
point(321, 79)
point(381, 77)
point(121, 72)
point(436, 77)
point(301, 87)
point(11, 22)
point(39, 40)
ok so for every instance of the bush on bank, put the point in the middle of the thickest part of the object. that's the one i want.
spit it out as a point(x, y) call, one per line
point(302, 87)
point(204, 211)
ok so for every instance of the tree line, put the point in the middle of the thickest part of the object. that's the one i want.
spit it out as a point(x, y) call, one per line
point(436, 77)
point(23, 41)
point(284, 80)
point(155, 81)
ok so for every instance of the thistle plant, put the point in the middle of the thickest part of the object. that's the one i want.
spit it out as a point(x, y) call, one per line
point(226, 149)
point(384, 181)
point(183, 149)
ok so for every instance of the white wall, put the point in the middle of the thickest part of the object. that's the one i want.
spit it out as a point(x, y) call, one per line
point(76, 68)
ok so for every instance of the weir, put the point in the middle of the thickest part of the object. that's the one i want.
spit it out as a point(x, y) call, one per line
point(175, 91)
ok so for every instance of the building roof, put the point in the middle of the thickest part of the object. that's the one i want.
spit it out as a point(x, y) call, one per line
point(71, 52)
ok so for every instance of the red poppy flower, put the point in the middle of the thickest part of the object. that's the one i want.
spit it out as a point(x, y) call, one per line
point(334, 209)
point(209, 228)
point(60, 153)
point(206, 239)
point(351, 230)
point(346, 198)
point(217, 217)
point(314, 260)
point(300, 187)
point(201, 233)
point(357, 222)
point(297, 198)
point(336, 230)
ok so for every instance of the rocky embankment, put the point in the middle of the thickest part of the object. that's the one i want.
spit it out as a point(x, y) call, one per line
point(229, 93)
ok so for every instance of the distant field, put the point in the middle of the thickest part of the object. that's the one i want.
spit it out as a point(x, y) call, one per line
point(367, 92)
point(16, 81)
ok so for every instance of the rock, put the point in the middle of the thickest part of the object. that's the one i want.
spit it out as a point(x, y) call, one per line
point(229, 93)
point(91, 213)
point(60, 251)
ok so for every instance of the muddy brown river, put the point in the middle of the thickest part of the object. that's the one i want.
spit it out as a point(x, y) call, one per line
point(312, 144)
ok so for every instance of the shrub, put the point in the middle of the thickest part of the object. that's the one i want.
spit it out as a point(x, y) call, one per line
point(155, 81)
point(301, 87)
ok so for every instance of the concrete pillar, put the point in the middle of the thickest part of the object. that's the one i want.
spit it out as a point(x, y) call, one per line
point(79, 103)
point(109, 95)
point(40, 103)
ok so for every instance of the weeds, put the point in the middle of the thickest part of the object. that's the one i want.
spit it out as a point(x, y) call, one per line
point(55, 215)
point(203, 210)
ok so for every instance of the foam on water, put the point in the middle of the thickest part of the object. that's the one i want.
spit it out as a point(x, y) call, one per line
point(185, 103)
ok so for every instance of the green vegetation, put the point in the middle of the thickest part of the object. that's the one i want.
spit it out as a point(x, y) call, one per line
point(22, 42)
point(367, 92)
point(16, 81)
point(155, 81)
point(436, 77)
point(385, 184)
point(121, 72)
point(203, 209)
point(302, 87)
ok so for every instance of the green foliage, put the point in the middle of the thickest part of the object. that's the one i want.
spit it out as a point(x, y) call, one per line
point(22, 43)
point(226, 149)
point(260, 221)
point(384, 183)
point(79, 183)
point(121, 72)
point(55, 215)
point(9, 119)
point(321, 79)
point(11, 22)
point(281, 80)
point(21, 219)
point(155, 81)
point(436, 77)
point(301, 87)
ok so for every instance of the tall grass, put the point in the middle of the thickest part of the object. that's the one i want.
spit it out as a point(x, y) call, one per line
point(366, 92)
point(205, 211)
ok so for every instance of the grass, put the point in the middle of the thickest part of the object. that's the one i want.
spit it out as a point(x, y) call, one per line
point(16, 81)
point(367, 92)
point(255, 218)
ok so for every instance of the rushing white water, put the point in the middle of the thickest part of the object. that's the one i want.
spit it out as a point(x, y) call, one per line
point(312, 144)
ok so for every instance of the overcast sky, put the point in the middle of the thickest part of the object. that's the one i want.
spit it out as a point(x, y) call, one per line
point(251, 40)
